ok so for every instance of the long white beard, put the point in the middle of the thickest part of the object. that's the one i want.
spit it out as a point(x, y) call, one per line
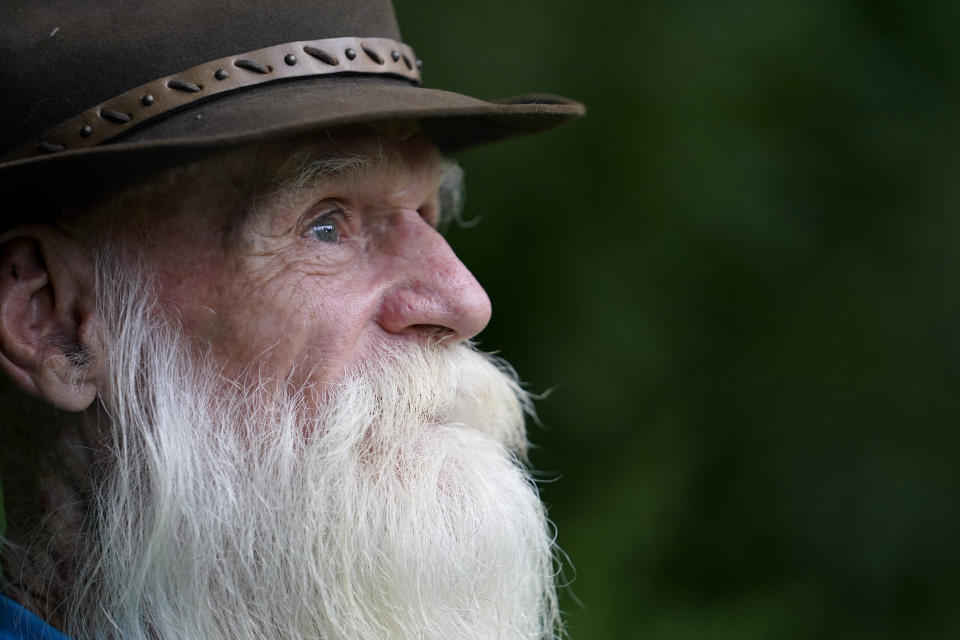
point(391, 505)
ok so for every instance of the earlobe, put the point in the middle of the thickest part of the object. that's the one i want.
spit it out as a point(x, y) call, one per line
point(44, 314)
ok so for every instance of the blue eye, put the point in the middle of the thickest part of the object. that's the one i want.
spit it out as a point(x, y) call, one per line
point(326, 227)
point(325, 231)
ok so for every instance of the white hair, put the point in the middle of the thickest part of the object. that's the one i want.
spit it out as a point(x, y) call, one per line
point(393, 504)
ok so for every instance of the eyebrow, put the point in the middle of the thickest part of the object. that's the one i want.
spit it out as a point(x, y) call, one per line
point(307, 170)
point(299, 172)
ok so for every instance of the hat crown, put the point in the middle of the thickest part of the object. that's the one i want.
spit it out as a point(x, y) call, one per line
point(61, 58)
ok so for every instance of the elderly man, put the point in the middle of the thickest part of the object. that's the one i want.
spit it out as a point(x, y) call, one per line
point(239, 398)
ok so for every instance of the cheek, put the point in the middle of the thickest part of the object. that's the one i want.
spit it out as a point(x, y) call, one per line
point(283, 323)
point(328, 326)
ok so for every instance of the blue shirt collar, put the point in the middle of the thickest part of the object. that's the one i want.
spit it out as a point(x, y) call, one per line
point(17, 623)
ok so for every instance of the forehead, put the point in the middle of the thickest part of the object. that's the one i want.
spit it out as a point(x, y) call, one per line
point(233, 183)
point(351, 155)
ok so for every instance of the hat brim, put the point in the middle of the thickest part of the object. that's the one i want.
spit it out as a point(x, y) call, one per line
point(283, 110)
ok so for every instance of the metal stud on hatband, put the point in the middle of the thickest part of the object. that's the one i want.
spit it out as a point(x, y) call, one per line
point(321, 55)
point(252, 65)
point(221, 74)
point(395, 55)
point(350, 53)
point(407, 62)
point(115, 116)
point(147, 100)
point(290, 59)
point(419, 63)
point(183, 85)
point(86, 131)
point(373, 55)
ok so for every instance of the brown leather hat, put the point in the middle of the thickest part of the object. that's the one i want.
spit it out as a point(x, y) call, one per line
point(94, 90)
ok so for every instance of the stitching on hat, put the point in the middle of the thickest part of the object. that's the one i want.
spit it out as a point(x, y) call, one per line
point(321, 55)
point(46, 147)
point(373, 54)
point(181, 85)
point(115, 116)
point(252, 65)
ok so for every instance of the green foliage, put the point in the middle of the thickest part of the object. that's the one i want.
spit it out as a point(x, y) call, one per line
point(738, 275)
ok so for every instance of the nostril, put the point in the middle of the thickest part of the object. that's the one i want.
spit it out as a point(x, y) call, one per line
point(434, 333)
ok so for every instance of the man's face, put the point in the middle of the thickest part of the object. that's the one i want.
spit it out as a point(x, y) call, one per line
point(337, 253)
point(297, 435)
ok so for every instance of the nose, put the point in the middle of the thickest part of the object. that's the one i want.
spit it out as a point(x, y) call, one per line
point(430, 289)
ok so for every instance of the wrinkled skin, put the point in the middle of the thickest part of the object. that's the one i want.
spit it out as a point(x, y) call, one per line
point(270, 283)
point(305, 282)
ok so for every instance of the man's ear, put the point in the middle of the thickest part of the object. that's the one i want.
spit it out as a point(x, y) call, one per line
point(48, 336)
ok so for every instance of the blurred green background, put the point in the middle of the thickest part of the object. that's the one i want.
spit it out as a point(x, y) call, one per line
point(738, 275)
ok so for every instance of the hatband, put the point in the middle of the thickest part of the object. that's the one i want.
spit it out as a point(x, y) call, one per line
point(310, 58)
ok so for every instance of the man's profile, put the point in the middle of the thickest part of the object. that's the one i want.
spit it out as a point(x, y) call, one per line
point(239, 398)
